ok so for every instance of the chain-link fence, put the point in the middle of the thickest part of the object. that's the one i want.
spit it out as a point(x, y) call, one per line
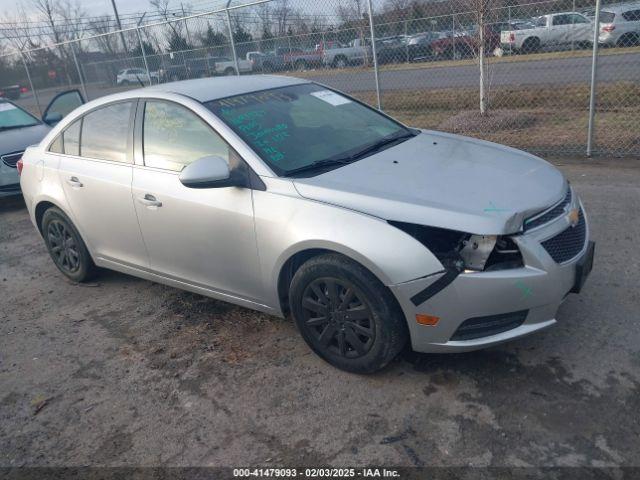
point(520, 72)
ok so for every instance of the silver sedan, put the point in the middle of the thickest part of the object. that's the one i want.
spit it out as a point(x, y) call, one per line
point(288, 197)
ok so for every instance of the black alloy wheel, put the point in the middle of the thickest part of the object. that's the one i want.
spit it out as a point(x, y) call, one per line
point(67, 249)
point(346, 315)
point(337, 318)
point(63, 247)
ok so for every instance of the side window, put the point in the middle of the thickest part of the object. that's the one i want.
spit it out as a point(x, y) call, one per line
point(631, 15)
point(560, 20)
point(578, 19)
point(105, 133)
point(173, 137)
point(71, 138)
point(56, 145)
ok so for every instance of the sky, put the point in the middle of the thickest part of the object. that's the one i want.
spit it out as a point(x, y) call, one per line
point(102, 7)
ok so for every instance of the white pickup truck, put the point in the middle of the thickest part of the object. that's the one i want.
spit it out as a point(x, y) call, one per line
point(338, 56)
point(554, 29)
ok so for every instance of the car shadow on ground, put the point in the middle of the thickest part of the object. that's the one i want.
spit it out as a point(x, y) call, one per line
point(12, 203)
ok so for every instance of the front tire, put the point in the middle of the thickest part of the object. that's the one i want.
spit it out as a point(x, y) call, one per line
point(67, 249)
point(346, 315)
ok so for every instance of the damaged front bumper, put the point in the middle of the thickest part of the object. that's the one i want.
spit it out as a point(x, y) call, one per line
point(479, 309)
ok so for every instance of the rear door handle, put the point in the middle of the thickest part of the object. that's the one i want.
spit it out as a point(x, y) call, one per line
point(149, 200)
point(74, 182)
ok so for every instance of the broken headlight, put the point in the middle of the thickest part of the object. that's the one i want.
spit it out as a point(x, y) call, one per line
point(465, 251)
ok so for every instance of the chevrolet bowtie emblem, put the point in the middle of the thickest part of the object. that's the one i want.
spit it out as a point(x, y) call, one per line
point(573, 217)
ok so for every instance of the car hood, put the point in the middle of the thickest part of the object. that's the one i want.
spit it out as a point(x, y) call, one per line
point(18, 139)
point(443, 180)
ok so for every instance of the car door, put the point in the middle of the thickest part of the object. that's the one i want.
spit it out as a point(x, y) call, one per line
point(61, 105)
point(204, 237)
point(581, 29)
point(559, 31)
point(95, 171)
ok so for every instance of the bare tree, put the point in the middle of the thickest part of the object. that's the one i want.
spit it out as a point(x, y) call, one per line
point(101, 26)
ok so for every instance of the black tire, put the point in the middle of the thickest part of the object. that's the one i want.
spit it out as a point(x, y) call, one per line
point(362, 335)
point(124, 83)
point(267, 67)
point(340, 62)
point(67, 249)
point(230, 71)
point(300, 65)
point(531, 45)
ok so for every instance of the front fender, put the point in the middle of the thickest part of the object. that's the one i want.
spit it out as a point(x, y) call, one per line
point(288, 224)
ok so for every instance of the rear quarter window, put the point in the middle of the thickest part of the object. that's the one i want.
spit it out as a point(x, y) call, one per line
point(105, 133)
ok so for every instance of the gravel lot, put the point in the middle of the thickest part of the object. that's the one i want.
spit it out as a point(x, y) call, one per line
point(127, 372)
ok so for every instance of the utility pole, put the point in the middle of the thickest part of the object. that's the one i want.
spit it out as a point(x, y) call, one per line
point(115, 11)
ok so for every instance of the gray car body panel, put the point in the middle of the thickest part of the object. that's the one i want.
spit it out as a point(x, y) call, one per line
point(17, 140)
point(233, 243)
point(446, 181)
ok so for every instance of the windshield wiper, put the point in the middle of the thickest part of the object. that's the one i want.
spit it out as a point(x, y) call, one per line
point(11, 127)
point(344, 160)
point(384, 142)
point(318, 164)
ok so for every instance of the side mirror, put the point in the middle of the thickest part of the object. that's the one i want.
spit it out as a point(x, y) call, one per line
point(52, 118)
point(209, 172)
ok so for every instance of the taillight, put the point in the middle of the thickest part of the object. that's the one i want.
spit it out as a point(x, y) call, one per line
point(19, 166)
point(608, 28)
point(512, 37)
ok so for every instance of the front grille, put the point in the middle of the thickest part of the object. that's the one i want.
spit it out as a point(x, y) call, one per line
point(568, 243)
point(10, 159)
point(491, 325)
point(550, 214)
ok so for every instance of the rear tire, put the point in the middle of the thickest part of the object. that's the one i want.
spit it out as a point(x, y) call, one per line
point(340, 62)
point(301, 65)
point(229, 71)
point(531, 45)
point(628, 40)
point(346, 315)
point(67, 249)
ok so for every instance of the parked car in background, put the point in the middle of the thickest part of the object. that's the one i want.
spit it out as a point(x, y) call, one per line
point(136, 76)
point(19, 129)
point(466, 42)
point(340, 56)
point(300, 59)
point(203, 67)
point(227, 66)
point(281, 195)
point(392, 49)
point(551, 30)
point(12, 92)
point(419, 46)
point(267, 62)
point(620, 25)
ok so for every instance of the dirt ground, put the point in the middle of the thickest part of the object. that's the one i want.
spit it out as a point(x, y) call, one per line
point(127, 372)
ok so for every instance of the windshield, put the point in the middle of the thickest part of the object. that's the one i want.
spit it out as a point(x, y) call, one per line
point(294, 127)
point(12, 116)
point(607, 17)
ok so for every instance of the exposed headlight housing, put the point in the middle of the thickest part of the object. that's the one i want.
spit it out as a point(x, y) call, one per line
point(465, 251)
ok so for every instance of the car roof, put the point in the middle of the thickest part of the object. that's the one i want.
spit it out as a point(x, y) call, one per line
point(621, 8)
point(207, 89)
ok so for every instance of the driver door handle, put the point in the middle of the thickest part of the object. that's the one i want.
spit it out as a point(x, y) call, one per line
point(74, 182)
point(149, 200)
